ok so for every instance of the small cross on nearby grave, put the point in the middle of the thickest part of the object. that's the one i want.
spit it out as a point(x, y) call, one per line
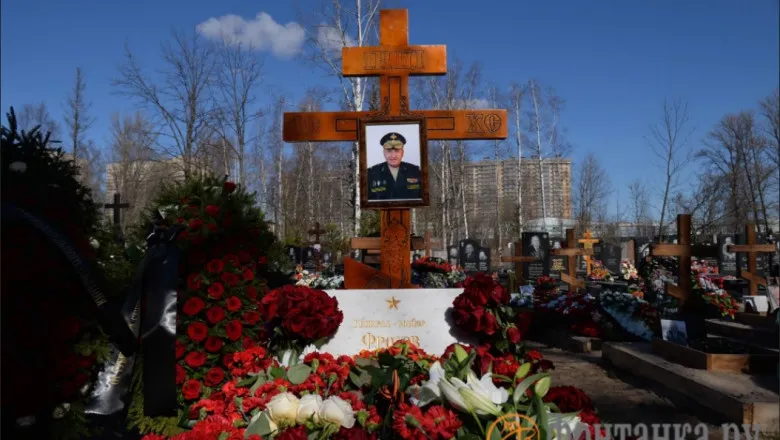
point(587, 243)
point(518, 259)
point(572, 251)
point(117, 207)
point(430, 244)
point(316, 232)
point(751, 249)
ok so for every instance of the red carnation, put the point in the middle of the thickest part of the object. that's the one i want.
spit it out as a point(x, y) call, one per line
point(215, 314)
point(197, 331)
point(181, 375)
point(533, 355)
point(233, 330)
point(195, 359)
point(180, 349)
point(214, 377)
point(191, 389)
point(251, 317)
point(193, 281)
point(215, 266)
point(233, 304)
point(513, 335)
point(212, 210)
point(248, 275)
point(213, 344)
point(229, 187)
point(251, 292)
point(193, 306)
point(195, 223)
point(228, 278)
point(216, 290)
point(296, 433)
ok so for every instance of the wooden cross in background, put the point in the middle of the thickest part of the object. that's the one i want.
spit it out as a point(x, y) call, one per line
point(518, 259)
point(682, 250)
point(587, 243)
point(316, 232)
point(430, 244)
point(117, 207)
point(751, 249)
point(394, 60)
point(571, 251)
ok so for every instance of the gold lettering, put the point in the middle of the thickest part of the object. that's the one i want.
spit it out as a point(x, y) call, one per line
point(368, 323)
point(373, 342)
point(411, 323)
point(121, 361)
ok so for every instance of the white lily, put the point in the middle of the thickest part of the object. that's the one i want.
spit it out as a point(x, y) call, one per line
point(482, 395)
point(564, 426)
point(451, 392)
point(429, 392)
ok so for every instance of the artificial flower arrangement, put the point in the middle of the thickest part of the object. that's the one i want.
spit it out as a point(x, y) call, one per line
point(436, 273)
point(656, 272)
point(710, 290)
point(635, 315)
point(577, 311)
point(399, 392)
point(628, 272)
point(318, 280)
point(52, 342)
point(600, 273)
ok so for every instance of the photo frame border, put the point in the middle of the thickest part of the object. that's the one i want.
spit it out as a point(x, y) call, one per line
point(393, 120)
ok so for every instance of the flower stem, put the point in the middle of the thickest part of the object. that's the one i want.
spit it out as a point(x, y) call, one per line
point(476, 419)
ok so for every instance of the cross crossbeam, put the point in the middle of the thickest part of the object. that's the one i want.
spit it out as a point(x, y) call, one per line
point(518, 259)
point(117, 207)
point(751, 249)
point(430, 244)
point(572, 251)
point(587, 243)
point(316, 232)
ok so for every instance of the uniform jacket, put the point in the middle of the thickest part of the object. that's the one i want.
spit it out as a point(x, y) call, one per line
point(381, 185)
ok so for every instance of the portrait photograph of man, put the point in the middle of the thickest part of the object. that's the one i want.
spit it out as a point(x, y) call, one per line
point(535, 248)
point(395, 172)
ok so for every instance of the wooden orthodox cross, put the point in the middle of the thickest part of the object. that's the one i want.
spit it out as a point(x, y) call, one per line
point(572, 252)
point(316, 232)
point(518, 259)
point(117, 207)
point(430, 244)
point(587, 242)
point(751, 249)
point(394, 60)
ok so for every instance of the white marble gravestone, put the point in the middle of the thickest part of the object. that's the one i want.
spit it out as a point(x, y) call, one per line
point(375, 319)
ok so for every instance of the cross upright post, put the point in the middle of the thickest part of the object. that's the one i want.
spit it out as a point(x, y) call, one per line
point(682, 250)
point(518, 259)
point(394, 60)
point(587, 242)
point(316, 232)
point(571, 251)
point(117, 207)
point(430, 243)
point(751, 248)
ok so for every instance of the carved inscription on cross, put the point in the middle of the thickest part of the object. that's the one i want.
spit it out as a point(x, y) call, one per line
point(518, 259)
point(572, 252)
point(394, 60)
point(117, 207)
point(587, 242)
point(751, 249)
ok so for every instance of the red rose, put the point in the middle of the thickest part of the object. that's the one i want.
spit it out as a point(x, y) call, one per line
point(356, 433)
point(233, 330)
point(533, 355)
point(181, 375)
point(229, 187)
point(191, 389)
point(247, 343)
point(215, 314)
point(251, 292)
point(212, 210)
point(216, 290)
point(262, 260)
point(193, 306)
point(228, 278)
point(233, 304)
point(513, 335)
point(195, 223)
point(214, 377)
point(193, 281)
point(296, 433)
point(215, 266)
point(489, 324)
point(248, 275)
point(180, 349)
point(213, 344)
point(195, 359)
point(251, 317)
point(197, 331)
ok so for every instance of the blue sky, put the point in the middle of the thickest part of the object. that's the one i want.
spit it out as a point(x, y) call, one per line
point(613, 61)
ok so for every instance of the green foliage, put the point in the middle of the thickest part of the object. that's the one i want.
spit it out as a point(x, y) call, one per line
point(167, 426)
point(369, 224)
point(334, 239)
point(118, 261)
point(32, 172)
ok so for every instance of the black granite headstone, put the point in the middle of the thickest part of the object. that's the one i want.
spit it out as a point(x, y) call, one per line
point(610, 257)
point(309, 259)
point(294, 253)
point(483, 260)
point(453, 255)
point(727, 260)
point(537, 245)
point(557, 263)
point(469, 255)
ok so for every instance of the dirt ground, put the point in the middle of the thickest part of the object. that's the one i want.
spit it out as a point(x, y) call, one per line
point(622, 398)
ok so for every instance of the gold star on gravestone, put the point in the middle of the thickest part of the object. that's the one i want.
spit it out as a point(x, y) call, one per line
point(392, 303)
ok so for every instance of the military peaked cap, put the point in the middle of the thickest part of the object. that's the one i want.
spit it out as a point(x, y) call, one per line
point(392, 141)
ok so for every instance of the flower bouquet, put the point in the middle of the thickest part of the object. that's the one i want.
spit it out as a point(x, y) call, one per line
point(634, 315)
point(710, 290)
point(436, 273)
point(322, 281)
point(600, 273)
point(546, 284)
point(577, 312)
point(628, 272)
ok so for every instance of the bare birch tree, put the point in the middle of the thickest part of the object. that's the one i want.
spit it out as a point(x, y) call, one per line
point(179, 101)
point(668, 138)
point(37, 115)
point(639, 203)
point(592, 190)
point(770, 110)
point(517, 94)
point(333, 28)
point(77, 117)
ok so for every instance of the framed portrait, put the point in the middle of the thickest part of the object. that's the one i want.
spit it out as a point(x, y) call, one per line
point(393, 162)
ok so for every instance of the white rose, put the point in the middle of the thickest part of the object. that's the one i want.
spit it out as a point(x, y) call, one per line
point(337, 410)
point(283, 408)
point(18, 166)
point(94, 243)
point(309, 407)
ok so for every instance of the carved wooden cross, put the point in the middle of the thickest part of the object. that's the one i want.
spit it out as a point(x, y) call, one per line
point(587, 242)
point(518, 259)
point(682, 250)
point(430, 244)
point(572, 252)
point(117, 207)
point(316, 232)
point(751, 249)
point(394, 60)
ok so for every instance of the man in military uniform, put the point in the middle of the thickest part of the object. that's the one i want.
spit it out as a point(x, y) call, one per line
point(394, 179)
